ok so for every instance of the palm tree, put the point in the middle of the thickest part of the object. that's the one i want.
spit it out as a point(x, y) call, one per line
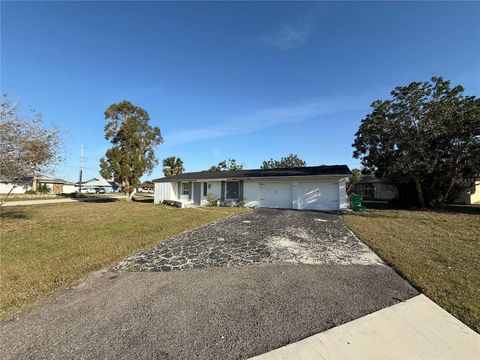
point(172, 166)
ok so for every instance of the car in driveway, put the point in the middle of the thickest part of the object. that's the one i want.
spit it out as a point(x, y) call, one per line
point(100, 190)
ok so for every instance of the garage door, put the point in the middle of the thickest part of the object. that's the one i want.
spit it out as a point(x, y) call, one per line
point(276, 195)
point(318, 196)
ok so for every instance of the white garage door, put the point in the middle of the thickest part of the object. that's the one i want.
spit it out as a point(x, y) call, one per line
point(318, 196)
point(276, 195)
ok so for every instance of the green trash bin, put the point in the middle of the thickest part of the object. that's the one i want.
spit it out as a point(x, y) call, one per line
point(356, 202)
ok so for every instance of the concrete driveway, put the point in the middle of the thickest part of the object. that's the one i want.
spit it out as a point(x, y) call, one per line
point(264, 279)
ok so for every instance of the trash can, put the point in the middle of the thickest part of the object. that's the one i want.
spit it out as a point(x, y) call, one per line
point(356, 202)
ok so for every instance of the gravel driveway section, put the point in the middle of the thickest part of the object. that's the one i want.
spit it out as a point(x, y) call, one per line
point(213, 313)
point(258, 237)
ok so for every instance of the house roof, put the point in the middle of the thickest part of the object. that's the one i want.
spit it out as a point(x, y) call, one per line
point(297, 171)
point(51, 180)
point(99, 182)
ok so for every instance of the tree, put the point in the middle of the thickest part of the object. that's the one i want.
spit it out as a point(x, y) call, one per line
point(427, 137)
point(172, 166)
point(26, 146)
point(285, 162)
point(134, 142)
point(356, 177)
point(226, 165)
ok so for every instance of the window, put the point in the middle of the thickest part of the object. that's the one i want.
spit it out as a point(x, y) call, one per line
point(233, 190)
point(204, 189)
point(185, 188)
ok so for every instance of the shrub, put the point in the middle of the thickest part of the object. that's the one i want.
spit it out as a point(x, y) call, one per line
point(30, 192)
point(43, 189)
point(240, 202)
point(212, 200)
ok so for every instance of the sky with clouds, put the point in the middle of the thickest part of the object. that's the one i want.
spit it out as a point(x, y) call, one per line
point(250, 81)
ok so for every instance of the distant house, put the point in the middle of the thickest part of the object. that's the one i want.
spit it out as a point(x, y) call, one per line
point(55, 185)
point(94, 183)
point(372, 187)
point(470, 196)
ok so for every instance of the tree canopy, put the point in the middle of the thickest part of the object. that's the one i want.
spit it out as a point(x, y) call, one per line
point(172, 166)
point(27, 147)
point(427, 136)
point(285, 162)
point(133, 143)
point(225, 165)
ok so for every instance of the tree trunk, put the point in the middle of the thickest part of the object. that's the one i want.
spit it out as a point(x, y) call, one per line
point(4, 198)
point(420, 198)
point(34, 183)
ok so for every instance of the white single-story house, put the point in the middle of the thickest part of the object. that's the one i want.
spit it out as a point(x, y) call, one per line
point(56, 186)
point(312, 188)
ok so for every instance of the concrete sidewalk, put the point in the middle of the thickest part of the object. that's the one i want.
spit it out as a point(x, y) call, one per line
point(415, 329)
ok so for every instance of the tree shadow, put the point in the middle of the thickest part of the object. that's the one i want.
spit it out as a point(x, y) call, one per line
point(6, 213)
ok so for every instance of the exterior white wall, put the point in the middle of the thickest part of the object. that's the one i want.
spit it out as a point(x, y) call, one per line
point(342, 194)
point(163, 191)
point(6, 187)
point(251, 193)
point(68, 189)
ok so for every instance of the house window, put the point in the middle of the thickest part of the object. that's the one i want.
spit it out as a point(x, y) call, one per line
point(204, 189)
point(185, 188)
point(233, 188)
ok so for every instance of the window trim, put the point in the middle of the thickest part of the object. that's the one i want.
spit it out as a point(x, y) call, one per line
point(205, 189)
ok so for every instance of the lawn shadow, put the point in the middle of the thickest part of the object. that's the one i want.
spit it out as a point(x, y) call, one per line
point(6, 213)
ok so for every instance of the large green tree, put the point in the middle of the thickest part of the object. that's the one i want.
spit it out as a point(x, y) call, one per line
point(133, 143)
point(226, 165)
point(285, 162)
point(172, 166)
point(426, 139)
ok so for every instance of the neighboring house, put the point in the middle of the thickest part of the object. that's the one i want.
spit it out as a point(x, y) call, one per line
point(470, 196)
point(372, 187)
point(314, 187)
point(56, 186)
point(109, 186)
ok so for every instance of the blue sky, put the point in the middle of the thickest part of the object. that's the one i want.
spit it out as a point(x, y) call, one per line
point(248, 81)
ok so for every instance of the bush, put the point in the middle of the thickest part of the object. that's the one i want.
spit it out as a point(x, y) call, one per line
point(30, 192)
point(240, 202)
point(212, 200)
point(43, 189)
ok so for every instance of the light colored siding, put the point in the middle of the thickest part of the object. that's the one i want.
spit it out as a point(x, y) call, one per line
point(251, 193)
point(342, 194)
point(163, 191)
point(6, 187)
point(68, 189)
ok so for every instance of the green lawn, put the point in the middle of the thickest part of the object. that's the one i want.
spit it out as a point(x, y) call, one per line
point(438, 252)
point(47, 247)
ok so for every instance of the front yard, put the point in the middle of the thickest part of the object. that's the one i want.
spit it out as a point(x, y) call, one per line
point(47, 247)
point(438, 252)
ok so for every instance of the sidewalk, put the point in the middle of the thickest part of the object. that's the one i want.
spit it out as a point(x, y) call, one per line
point(415, 329)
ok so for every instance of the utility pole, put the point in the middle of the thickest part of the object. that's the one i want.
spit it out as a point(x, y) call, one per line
point(81, 171)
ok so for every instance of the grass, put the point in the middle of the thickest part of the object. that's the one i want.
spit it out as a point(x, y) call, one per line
point(438, 252)
point(47, 247)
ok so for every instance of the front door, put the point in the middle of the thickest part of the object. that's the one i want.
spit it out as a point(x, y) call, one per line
point(197, 192)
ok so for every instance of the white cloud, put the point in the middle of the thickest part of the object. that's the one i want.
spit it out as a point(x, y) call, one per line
point(288, 37)
point(262, 119)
